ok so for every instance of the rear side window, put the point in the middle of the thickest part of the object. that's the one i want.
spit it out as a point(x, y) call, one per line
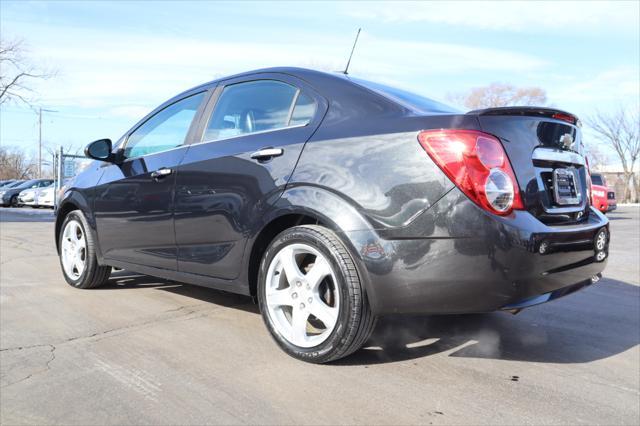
point(258, 106)
point(165, 130)
point(303, 111)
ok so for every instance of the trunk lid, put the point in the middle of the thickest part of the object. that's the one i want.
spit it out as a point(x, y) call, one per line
point(546, 152)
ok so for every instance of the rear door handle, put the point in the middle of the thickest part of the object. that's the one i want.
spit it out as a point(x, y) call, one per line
point(161, 173)
point(267, 153)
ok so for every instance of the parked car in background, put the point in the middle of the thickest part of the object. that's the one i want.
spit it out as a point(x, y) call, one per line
point(602, 197)
point(334, 200)
point(45, 196)
point(9, 195)
point(27, 197)
point(6, 182)
point(11, 183)
point(9, 186)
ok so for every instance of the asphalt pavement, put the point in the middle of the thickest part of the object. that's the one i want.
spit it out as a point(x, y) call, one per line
point(148, 351)
point(26, 214)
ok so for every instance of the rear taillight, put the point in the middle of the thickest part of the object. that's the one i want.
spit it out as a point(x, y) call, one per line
point(477, 163)
point(565, 117)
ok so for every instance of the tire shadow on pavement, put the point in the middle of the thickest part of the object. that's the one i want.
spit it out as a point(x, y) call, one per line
point(595, 324)
point(618, 217)
point(121, 279)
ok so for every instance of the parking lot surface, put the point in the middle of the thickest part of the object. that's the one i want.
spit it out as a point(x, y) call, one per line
point(142, 351)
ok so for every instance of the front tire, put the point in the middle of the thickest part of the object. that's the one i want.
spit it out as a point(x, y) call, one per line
point(311, 297)
point(77, 253)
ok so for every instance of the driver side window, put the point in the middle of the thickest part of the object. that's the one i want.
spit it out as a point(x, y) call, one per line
point(165, 130)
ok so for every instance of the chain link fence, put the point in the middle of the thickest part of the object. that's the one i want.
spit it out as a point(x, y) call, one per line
point(66, 167)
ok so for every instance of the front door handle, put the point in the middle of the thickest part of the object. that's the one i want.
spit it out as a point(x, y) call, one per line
point(161, 173)
point(267, 153)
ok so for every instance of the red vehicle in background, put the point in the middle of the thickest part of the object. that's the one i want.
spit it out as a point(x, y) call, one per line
point(602, 197)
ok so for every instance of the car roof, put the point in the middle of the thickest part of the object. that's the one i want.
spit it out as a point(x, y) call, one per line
point(30, 181)
point(302, 73)
point(334, 85)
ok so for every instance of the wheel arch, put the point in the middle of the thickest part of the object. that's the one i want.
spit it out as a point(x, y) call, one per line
point(72, 201)
point(303, 205)
point(267, 234)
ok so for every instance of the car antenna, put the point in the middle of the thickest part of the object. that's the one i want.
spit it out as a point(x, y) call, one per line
point(346, 69)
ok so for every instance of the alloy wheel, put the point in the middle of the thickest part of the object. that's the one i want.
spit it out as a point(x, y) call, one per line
point(302, 295)
point(74, 250)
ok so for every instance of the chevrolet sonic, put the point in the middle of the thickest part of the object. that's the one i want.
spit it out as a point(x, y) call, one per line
point(334, 200)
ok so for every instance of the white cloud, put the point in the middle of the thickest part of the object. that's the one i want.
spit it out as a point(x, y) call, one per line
point(525, 16)
point(103, 70)
point(134, 112)
point(607, 89)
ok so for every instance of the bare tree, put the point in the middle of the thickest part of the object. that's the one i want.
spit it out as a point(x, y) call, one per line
point(621, 131)
point(499, 95)
point(597, 156)
point(16, 73)
point(14, 164)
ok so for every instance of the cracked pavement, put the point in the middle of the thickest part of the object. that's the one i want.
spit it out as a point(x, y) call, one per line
point(148, 351)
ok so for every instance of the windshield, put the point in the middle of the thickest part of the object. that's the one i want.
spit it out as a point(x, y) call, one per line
point(597, 180)
point(408, 99)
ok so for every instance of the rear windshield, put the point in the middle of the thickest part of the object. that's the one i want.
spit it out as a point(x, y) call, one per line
point(597, 180)
point(407, 99)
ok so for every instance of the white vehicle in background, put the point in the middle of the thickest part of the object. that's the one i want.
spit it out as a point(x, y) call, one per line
point(45, 196)
point(28, 197)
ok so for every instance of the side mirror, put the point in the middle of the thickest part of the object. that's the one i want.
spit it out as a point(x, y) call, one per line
point(100, 150)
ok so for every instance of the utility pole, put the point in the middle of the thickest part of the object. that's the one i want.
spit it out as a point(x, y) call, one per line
point(40, 143)
point(40, 138)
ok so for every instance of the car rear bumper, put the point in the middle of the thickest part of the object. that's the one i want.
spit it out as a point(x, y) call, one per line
point(477, 262)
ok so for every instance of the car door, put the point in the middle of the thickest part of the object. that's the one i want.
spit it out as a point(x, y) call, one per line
point(134, 200)
point(252, 134)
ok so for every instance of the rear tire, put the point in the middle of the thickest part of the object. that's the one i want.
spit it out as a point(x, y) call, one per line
point(14, 201)
point(319, 291)
point(77, 253)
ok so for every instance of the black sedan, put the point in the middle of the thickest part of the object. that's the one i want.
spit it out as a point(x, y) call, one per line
point(334, 200)
point(9, 194)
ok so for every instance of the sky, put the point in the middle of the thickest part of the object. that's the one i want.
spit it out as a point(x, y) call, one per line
point(116, 61)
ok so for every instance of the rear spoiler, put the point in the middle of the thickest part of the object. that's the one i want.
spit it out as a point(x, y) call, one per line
point(529, 111)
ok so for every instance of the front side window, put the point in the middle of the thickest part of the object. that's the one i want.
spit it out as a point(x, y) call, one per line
point(258, 106)
point(165, 130)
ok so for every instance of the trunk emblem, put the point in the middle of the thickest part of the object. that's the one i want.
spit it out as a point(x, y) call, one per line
point(566, 141)
point(565, 186)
